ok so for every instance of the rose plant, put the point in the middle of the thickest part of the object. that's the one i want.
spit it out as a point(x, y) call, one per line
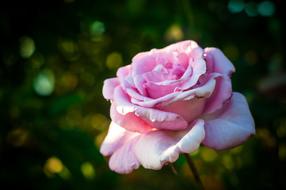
point(169, 101)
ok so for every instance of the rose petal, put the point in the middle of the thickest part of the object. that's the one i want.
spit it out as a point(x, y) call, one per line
point(189, 110)
point(157, 148)
point(128, 121)
point(218, 62)
point(115, 138)
point(124, 160)
point(108, 88)
point(231, 127)
point(153, 150)
point(156, 91)
point(198, 68)
point(141, 63)
point(119, 144)
point(154, 117)
point(124, 76)
point(184, 46)
point(221, 94)
point(201, 92)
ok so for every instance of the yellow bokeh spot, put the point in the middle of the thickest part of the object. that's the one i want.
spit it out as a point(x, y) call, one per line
point(53, 165)
point(208, 155)
point(174, 33)
point(18, 137)
point(27, 47)
point(114, 60)
point(228, 162)
point(99, 121)
point(99, 138)
point(282, 152)
point(68, 81)
point(281, 130)
point(68, 46)
point(87, 170)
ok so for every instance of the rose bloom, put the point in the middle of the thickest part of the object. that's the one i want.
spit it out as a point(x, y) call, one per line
point(169, 101)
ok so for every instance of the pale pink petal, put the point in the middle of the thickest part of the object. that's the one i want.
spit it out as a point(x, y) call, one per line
point(231, 127)
point(129, 121)
point(183, 46)
point(203, 91)
point(115, 138)
point(134, 94)
point(218, 62)
point(124, 160)
point(189, 109)
point(157, 148)
point(108, 88)
point(156, 91)
point(122, 72)
point(119, 145)
point(154, 117)
point(221, 94)
point(198, 68)
point(125, 77)
point(142, 63)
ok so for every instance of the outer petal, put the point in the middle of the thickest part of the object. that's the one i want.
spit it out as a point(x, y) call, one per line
point(221, 94)
point(129, 121)
point(218, 62)
point(115, 138)
point(119, 144)
point(124, 76)
point(231, 127)
point(124, 160)
point(154, 117)
point(157, 148)
point(184, 46)
point(108, 88)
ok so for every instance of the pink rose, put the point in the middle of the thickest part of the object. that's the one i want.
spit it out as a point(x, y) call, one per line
point(168, 101)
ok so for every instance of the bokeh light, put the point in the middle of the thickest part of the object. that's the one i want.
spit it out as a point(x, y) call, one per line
point(54, 165)
point(27, 47)
point(114, 60)
point(44, 83)
point(87, 170)
point(266, 8)
point(235, 6)
point(57, 54)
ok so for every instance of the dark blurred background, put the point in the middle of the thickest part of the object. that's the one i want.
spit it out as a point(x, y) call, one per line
point(54, 56)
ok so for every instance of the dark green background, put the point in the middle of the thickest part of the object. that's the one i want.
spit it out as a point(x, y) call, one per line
point(55, 55)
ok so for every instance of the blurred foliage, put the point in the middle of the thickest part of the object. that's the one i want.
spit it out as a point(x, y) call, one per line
point(55, 55)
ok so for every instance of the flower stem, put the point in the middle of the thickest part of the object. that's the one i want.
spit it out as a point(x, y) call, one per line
point(194, 171)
